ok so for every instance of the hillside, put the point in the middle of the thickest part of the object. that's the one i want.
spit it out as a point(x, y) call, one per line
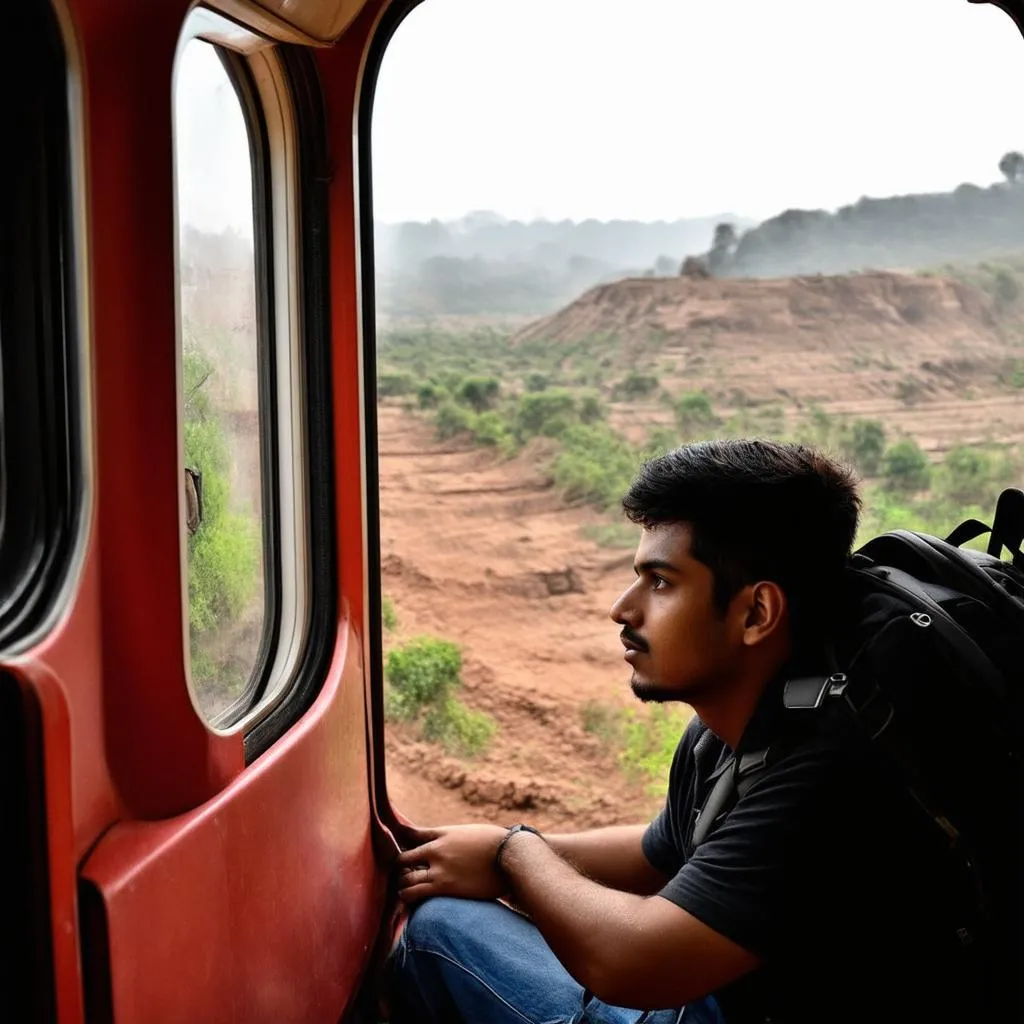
point(905, 348)
point(486, 265)
point(913, 231)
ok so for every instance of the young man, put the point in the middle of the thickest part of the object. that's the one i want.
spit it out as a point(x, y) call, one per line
point(814, 895)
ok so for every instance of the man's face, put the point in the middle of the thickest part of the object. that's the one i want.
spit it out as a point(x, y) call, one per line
point(679, 646)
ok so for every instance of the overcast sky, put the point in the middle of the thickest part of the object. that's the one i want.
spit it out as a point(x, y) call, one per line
point(658, 109)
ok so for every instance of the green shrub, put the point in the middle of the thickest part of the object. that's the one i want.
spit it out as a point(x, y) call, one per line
point(756, 421)
point(886, 510)
point(224, 553)
point(430, 395)
point(1006, 286)
point(818, 428)
point(536, 382)
point(905, 467)
point(1013, 373)
point(595, 465)
point(645, 739)
point(392, 384)
point(864, 445)
point(636, 385)
point(695, 416)
point(909, 390)
point(603, 721)
point(546, 413)
point(479, 393)
point(975, 475)
point(491, 429)
point(452, 420)
point(650, 740)
point(460, 730)
point(423, 672)
point(422, 678)
point(619, 535)
point(388, 615)
point(660, 441)
point(591, 409)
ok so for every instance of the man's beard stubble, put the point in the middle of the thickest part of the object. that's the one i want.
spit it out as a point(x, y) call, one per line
point(651, 693)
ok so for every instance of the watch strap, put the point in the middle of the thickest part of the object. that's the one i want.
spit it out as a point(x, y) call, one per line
point(508, 835)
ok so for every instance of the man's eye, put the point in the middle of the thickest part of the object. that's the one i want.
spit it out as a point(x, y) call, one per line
point(659, 583)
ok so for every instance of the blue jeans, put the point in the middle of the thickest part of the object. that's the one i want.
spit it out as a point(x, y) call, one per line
point(472, 962)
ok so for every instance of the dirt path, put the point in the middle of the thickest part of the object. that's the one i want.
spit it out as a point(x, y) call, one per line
point(482, 552)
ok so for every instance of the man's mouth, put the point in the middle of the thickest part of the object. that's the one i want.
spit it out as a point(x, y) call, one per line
point(633, 643)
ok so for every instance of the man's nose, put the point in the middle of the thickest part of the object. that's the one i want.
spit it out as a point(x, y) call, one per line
point(624, 610)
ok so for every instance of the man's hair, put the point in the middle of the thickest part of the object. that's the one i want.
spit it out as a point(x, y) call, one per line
point(757, 510)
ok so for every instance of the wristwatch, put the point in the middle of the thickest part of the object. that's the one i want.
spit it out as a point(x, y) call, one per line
point(508, 835)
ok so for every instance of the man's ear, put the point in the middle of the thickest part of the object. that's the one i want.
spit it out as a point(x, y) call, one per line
point(767, 612)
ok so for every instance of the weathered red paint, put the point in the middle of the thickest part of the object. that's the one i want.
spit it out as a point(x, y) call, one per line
point(162, 758)
point(229, 893)
point(262, 904)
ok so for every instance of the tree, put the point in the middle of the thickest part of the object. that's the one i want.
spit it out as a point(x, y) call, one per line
point(725, 241)
point(906, 467)
point(865, 445)
point(664, 266)
point(480, 392)
point(725, 237)
point(695, 267)
point(695, 417)
point(1012, 167)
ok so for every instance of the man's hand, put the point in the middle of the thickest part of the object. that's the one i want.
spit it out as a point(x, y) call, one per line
point(454, 860)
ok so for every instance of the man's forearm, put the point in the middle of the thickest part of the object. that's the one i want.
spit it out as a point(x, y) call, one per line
point(586, 924)
point(613, 856)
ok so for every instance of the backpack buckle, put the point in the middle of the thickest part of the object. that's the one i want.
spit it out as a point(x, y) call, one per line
point(809, 692)
point(875, 712)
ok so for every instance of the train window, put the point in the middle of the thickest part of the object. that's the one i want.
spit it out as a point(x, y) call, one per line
point(254, 418)
point(222, 401)
point(40, 462)
point(224, 373)
point(681, 221)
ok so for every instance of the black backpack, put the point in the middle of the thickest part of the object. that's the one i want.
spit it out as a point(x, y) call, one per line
point(928, 662)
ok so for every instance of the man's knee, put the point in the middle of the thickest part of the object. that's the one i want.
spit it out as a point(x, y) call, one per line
point(437, 923)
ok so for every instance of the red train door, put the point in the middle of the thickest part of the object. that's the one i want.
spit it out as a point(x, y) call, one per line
point(186, 714)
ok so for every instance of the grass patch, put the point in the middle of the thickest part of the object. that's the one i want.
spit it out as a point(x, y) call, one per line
point(645, 738)
point(617, 535)
point(388, 615)
point(422, 678)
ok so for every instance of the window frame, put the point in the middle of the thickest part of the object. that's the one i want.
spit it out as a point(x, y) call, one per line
point(237, 73)
point(42, 550)
point(279, 95)
point(388, 25)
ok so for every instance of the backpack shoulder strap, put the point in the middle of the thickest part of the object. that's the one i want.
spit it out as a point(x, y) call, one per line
point(734, 779)
point(1006, 531)
point(1008, 525)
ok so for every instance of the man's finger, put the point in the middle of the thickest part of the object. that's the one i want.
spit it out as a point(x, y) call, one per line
point(416, 893)
point(419, 836)
point(418, 854)
point(417, 874)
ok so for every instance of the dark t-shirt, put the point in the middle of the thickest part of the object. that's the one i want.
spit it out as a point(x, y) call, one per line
point(825, 870)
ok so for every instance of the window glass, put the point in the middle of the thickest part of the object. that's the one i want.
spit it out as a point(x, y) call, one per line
point(220, 380)
point(602, 230)
point(40, 465)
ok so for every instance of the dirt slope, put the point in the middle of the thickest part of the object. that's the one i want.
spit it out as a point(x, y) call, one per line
point(903, 348)
point(484, 553)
